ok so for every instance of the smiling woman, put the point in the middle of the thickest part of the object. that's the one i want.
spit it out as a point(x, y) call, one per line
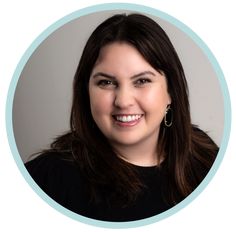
point(132, 151)
point(134, 100)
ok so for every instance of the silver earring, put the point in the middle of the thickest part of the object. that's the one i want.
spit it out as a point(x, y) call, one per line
point(168, 119)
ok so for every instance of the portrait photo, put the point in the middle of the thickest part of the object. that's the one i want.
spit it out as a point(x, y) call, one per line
point(118, 115)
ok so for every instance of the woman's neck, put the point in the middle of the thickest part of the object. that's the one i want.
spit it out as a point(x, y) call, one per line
point(141, 154)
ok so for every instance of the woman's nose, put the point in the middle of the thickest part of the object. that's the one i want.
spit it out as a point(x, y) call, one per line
point(123, 98)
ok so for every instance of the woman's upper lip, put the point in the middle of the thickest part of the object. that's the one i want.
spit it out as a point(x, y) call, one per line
point(127, 114)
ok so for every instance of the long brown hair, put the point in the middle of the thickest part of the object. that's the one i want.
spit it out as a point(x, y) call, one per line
point(189, 152)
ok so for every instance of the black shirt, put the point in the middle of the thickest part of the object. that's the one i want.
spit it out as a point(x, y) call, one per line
point(62, 181)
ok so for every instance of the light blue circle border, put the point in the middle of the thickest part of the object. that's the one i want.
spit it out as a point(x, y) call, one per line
point(108, 7)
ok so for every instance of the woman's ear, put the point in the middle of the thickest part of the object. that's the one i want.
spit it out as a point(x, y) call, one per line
point(169, 100)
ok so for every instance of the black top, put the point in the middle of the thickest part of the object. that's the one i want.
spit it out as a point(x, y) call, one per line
point(62, 181)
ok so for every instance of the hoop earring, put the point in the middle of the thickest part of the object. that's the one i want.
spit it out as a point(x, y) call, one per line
point(168, 119)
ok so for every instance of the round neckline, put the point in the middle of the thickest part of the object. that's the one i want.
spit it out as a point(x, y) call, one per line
point(148, 167)
point(145, 167)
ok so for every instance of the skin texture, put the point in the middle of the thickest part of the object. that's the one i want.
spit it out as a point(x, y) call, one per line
point(128, 100)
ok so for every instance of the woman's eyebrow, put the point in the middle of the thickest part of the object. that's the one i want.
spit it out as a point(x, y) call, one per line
point(99, 74)
point(143, 74)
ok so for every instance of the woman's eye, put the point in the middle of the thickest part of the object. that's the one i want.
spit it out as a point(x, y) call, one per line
point(142, 81)
point(106, 83)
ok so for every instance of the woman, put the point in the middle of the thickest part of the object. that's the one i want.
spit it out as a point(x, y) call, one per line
point(132, 151)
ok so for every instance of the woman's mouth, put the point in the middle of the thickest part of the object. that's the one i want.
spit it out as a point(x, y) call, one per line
point(127, 119)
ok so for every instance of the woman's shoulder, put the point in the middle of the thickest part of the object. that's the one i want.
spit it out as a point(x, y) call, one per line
point(50, 160)
point(201, 138)
point(204, 151)
point(60, 178)
point(54, 171)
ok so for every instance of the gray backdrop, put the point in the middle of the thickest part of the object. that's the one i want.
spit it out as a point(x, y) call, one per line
point(41, 107)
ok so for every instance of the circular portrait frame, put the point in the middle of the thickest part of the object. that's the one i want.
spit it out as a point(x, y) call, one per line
point(109, 7)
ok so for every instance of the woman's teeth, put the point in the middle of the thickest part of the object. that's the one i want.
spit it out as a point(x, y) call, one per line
point(128, 118)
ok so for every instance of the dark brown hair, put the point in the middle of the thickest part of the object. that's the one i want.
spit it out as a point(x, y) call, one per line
point(189, 153)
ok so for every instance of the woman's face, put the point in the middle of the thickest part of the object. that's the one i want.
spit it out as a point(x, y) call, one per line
point(128, 98)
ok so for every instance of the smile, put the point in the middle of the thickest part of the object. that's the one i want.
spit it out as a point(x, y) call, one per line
point(127, 118)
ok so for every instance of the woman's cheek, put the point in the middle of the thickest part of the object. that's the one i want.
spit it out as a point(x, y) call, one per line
point(101, 103)
point(155, 99)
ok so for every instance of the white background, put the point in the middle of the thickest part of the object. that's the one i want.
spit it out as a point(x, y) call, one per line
point(21, 209)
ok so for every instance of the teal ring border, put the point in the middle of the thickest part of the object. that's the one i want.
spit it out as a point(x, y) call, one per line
point(108, 7)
